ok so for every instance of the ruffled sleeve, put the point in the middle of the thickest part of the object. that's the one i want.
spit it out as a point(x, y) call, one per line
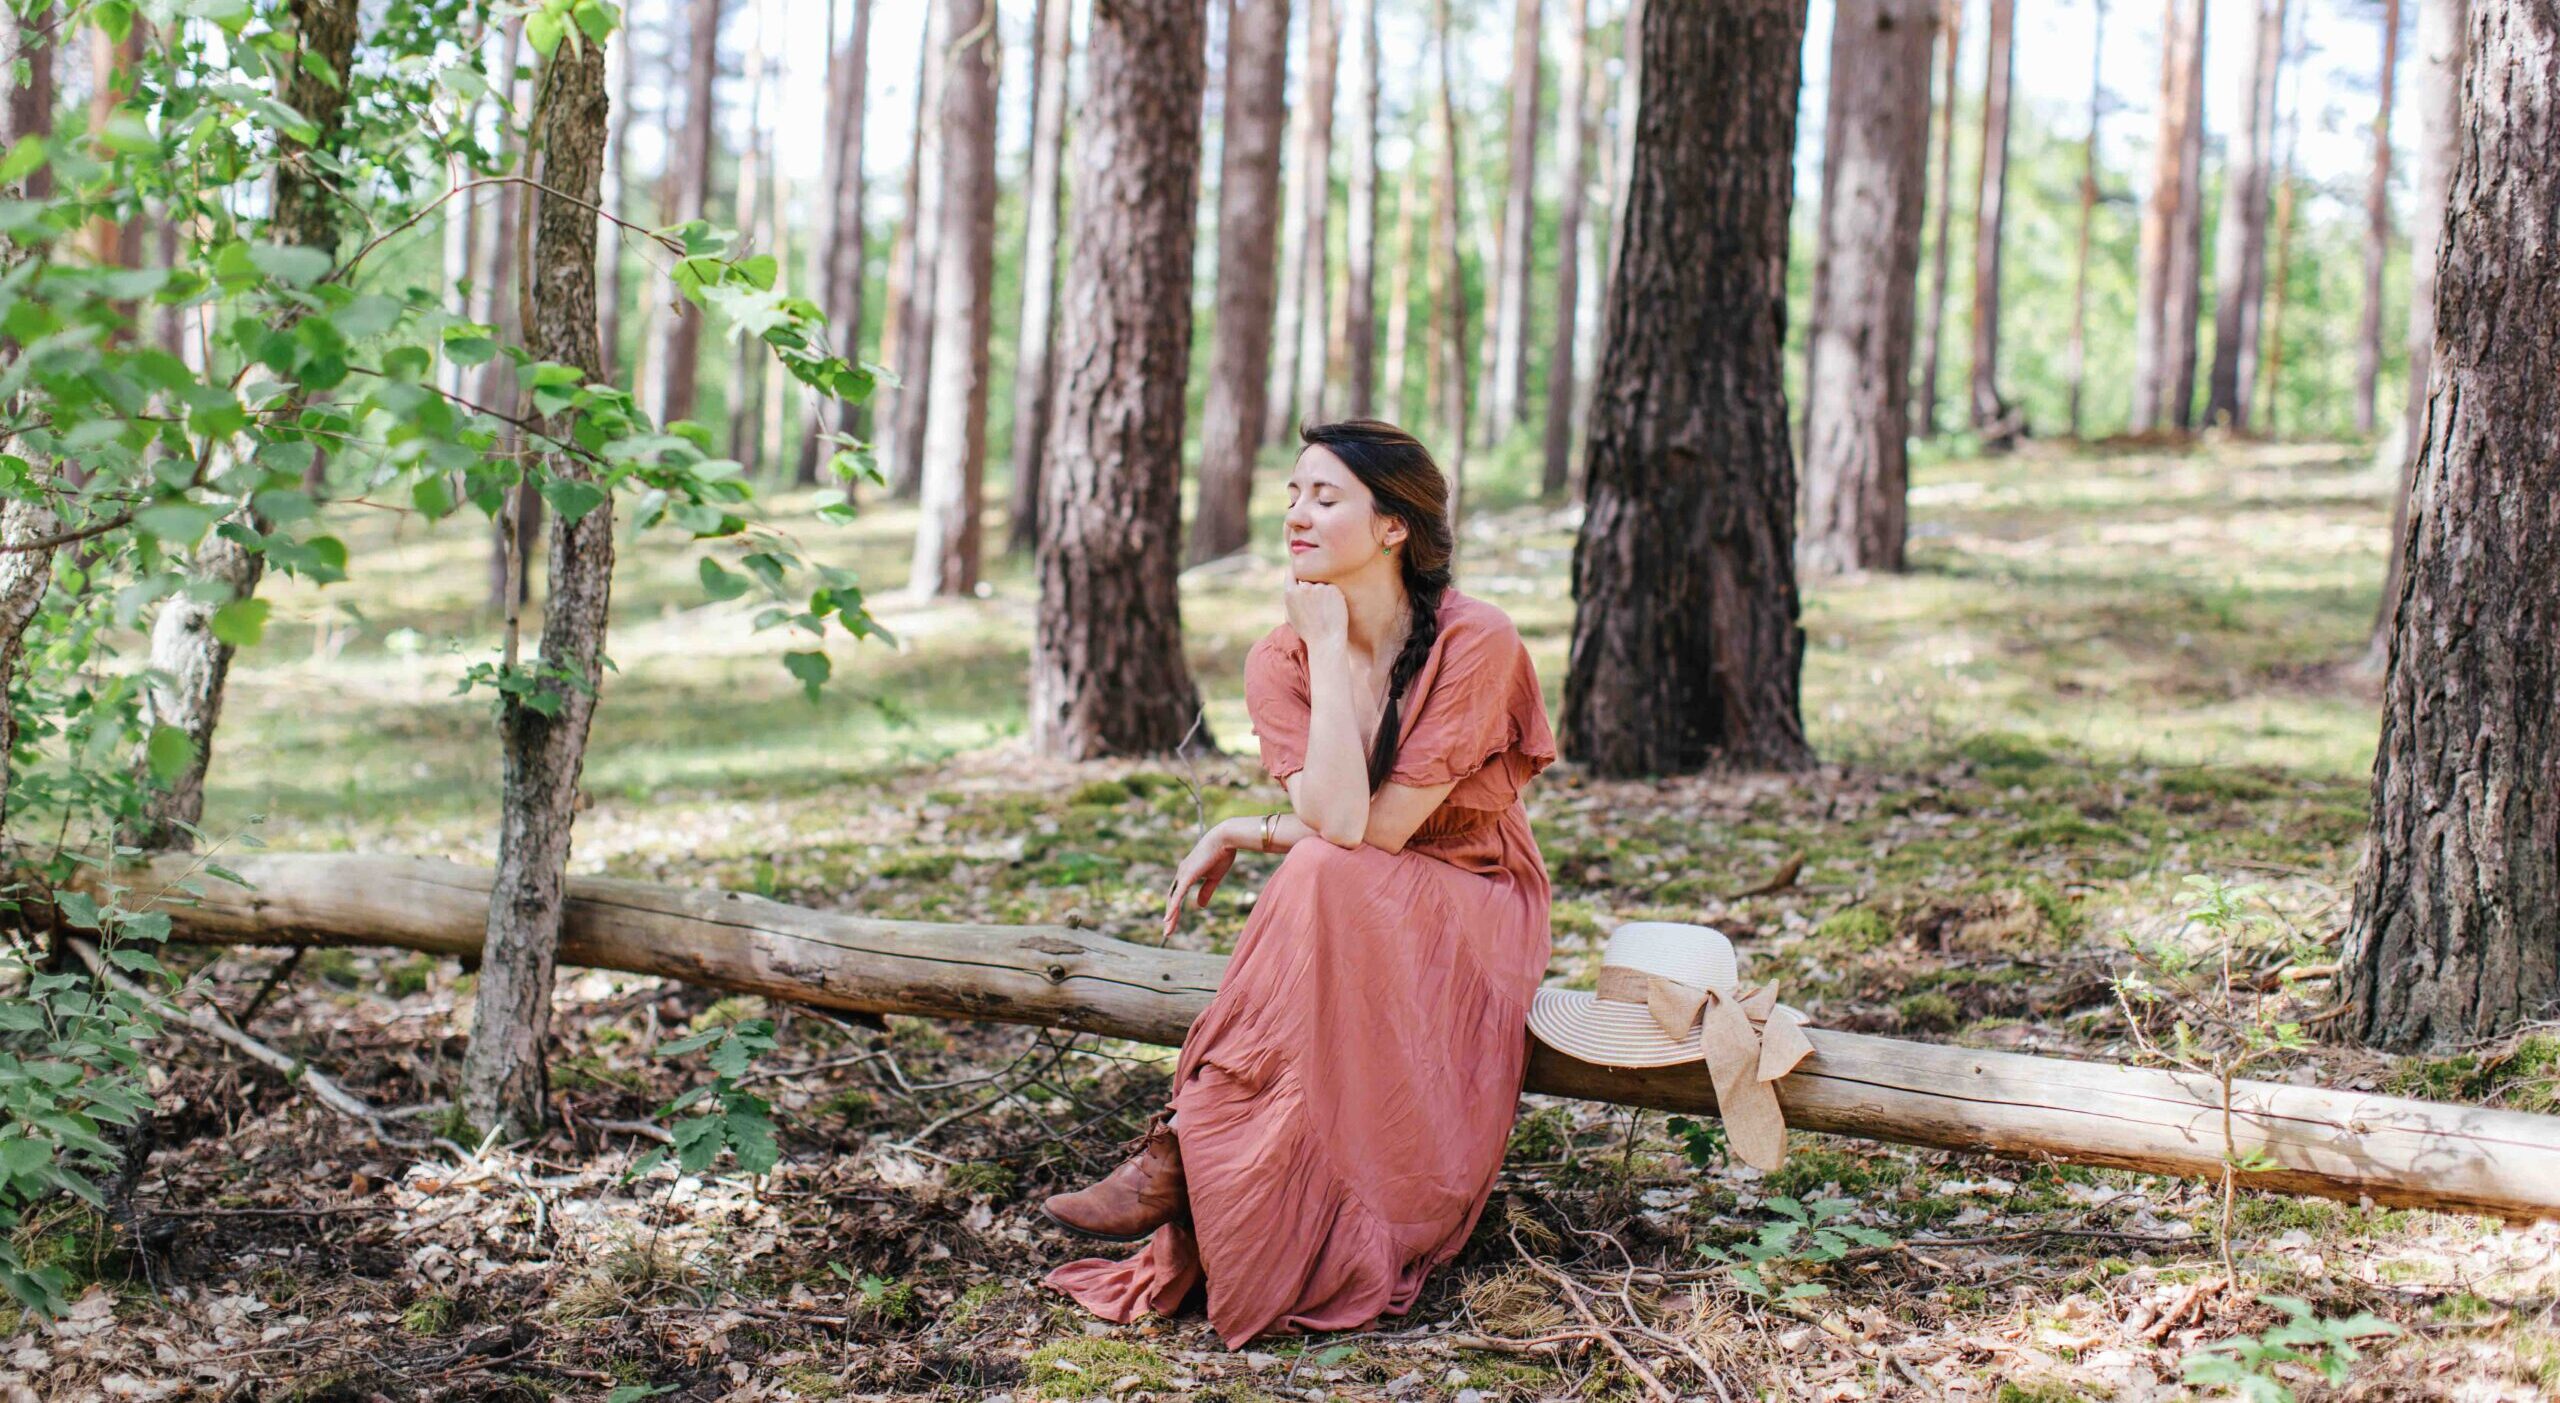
point(1276, 697)
point(1482, 722)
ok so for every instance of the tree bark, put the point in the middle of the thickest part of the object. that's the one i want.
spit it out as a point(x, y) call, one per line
point(1990, 198)
point(1400, 276)
point(188, 663)
point(902, 447)
point(1360, 242)
point(2154, 354)
point(1858, 362)
point(1449, 298)
point(2456, 932)
point(837, 250)
point(1232, 416)
point(2440, 40)
point(1299, 314)
point(2240, 240)
point(28, 110)
point(1035, 375)
point(2337, 1144)
point(503, 1075)
point(1933, 308)
point(25, 570)
point(2280, 275)
point(2075, 354)
point(2377, 237)
point(953, 487)
point(1509, 403)
point(1573, 144)
point(1107, 671)
point(747, 216)
point(679, 364)
point(1686, 651)
point(2186, 255)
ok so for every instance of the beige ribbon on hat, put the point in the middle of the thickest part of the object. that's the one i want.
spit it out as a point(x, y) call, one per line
point(1743, 1061)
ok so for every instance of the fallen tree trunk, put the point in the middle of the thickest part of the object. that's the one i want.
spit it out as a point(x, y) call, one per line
point(2345, 1145)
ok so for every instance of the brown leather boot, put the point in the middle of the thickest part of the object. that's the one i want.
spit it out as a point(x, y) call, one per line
point(1143, 1194)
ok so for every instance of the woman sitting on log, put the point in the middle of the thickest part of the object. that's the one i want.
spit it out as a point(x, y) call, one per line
point(1340, 1109)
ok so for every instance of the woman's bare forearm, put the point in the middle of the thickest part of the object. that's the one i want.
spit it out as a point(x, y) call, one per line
point(1332, 796)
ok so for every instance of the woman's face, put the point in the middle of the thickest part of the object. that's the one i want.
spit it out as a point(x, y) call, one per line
point(1333, 529)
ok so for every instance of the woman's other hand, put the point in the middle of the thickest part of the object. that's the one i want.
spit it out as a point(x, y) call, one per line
point(1203, 867)
point(1319, 613)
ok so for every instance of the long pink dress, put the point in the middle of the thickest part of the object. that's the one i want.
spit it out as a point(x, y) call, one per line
point(1344, 1101)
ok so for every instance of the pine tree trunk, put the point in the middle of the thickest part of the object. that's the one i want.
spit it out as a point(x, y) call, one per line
point(1232, 417)
point(2240, 240)
point(953, 486)
point(1622, 146)
point(1686, 650)
point(1400, 277)
point(837, 250)
point(1573, 145)
point(2456, 931)
point(616, 166)
point(2075, 354)
point(2186, 255)
point(902, 446)
point(1990, 198)
point(28, 110)
point(1509, 403)
point(1107, 670)
point(2441, 25)
point(188, 663)
point(746, 216)
point(504, 1080)
point(2377, 237)
point(1933, 308)
point(1299, 314)
point(679, 365)
point(1449, 300)
point(1360, 242)
point(2280, 285)
point(2153, 352)
point(1858, 361)
point(25, 569)
point(1035, 367)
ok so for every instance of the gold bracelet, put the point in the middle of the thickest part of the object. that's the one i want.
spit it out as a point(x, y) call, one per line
point(1267, 821)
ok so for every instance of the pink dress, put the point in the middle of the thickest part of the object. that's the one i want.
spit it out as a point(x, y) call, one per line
point(1344, 1101)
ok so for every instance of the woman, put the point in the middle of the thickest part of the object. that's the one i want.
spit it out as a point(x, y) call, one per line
point(1340, 1109)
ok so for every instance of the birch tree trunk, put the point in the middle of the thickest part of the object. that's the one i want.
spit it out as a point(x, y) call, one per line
point(1686, 650)
point(188, 660)
point(2377, 237)
point(1232, 417)
point(1858, 363)
point(2455, 936)
point(679, 364)
point(25, 568)
point(1508, 405)
point(2240, 239)
point(837, 251)
point(1933, 308)
point(1360, 242)
point(504, 1079)
point(1573, 144)
point(1107, 671)
point(1990, 199)
point(953, 487)
point(1034, 365)
point(2441, 25)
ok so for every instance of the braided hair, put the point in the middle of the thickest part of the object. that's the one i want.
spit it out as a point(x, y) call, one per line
point(1409, 486)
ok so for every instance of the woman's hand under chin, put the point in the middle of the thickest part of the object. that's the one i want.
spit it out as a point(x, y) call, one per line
point(1318, 612)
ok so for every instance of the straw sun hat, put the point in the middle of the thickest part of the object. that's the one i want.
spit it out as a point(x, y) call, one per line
point(1672, 993)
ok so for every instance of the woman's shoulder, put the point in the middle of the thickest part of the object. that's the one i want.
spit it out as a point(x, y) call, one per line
point(1280, 644)
point(1469, 622)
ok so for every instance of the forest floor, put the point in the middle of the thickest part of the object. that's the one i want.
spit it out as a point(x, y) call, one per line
point(2112, 669)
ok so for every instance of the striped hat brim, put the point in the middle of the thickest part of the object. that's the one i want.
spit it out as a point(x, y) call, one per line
point(1606, 1032)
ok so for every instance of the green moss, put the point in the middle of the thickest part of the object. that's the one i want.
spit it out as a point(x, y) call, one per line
point(1542, 1134)
point(1856, 928)
point(2525, 1077)
point(2043, 1391)
point(918, 867)
point(1100, 791)
point(1088, 1367)
point(1928, 1013)
point(430, 1314)
point(981, 1177)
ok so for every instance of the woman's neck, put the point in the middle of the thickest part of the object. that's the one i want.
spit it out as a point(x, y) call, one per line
point(1379, 608)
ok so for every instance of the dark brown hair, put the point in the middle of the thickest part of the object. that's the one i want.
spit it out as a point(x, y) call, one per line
point(1409, 486)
